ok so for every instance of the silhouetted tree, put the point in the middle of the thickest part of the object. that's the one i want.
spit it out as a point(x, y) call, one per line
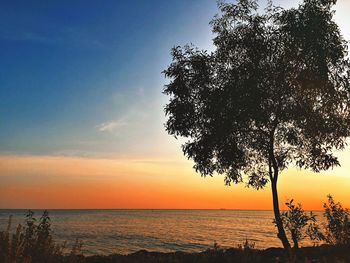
point(274, 92)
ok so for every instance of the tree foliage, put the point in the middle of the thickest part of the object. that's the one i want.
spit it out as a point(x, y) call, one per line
point(275, 91)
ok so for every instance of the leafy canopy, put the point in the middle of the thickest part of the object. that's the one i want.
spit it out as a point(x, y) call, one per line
point(274, 92)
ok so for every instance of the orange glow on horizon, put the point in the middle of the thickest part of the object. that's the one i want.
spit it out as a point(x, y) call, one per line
point(71, 182)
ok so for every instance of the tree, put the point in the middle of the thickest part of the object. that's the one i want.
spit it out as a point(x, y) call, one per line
point(273, 93)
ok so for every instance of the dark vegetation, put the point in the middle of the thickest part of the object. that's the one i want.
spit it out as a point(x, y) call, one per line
point(274, 92)
point(245, 255)
point(33, 243)
point(300, 225)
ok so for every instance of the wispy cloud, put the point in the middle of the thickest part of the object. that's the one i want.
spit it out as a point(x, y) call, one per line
point(110, 126)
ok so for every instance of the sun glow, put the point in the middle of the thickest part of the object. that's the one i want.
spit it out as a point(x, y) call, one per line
point(71, 182)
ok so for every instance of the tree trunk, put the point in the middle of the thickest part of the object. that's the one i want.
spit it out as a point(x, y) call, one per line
point(295, 240)
point(281, 233)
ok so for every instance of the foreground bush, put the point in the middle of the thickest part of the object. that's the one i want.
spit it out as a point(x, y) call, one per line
point(335, 231)
point(297, 222)
point(338, 223)
point(33, 243)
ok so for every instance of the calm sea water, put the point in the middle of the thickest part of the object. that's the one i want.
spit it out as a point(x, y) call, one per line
point(126, 231)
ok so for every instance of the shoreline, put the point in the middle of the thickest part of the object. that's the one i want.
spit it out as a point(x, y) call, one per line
point(322, 253)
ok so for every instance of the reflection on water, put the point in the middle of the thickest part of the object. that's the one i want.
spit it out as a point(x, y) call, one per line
point(125, 231)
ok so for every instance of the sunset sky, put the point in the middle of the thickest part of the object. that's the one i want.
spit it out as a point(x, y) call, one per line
point(81, 110)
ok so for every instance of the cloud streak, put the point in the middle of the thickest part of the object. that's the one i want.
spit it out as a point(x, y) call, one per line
point(110, 126)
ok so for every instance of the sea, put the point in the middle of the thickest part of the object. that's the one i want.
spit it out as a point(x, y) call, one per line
point(127, 231)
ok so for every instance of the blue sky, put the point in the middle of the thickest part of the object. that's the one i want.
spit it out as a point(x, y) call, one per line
point(84, 77)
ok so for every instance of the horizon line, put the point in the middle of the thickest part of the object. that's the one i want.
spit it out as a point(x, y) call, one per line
point(216, 209)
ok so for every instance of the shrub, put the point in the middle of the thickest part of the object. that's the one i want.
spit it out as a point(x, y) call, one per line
point(337, 227)
point(33, 243)
point(336, 230)
point(298, 223)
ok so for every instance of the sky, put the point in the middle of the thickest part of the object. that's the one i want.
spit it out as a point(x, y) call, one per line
point(81, 110)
